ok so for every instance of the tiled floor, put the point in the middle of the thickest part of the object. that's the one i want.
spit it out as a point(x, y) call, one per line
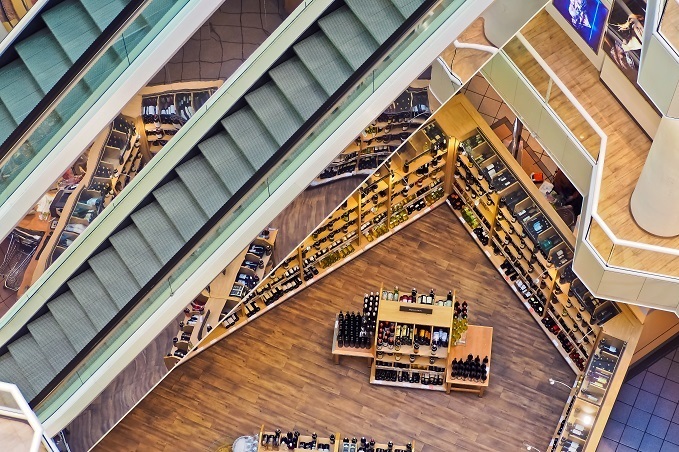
point(645, 416)
point(219, 47)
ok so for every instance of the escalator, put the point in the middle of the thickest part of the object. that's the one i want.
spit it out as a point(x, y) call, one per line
point(34, 64)
point(305, 83)
point(56, 65)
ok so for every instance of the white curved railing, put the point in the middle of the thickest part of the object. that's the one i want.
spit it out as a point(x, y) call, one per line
point(597, 176)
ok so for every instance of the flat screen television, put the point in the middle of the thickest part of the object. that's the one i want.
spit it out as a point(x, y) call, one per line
point(587, 17)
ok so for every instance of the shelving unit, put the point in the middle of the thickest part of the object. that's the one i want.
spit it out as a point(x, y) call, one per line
point(94, 191)
point(420, 317)
point(521, 234)
point(219, 298)
point(164, 113)
point(380, 139)
point(321, 442)
point(588, 395)
point(332, 443)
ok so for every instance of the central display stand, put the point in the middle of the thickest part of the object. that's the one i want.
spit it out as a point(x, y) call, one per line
point(428, 364)
point(417, 341)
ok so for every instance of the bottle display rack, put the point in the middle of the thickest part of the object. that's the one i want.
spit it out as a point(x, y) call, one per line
point(406, 186)
point(525, 240)
point(381, 138)
point(222, 295)
point(587, 396)
point(96, 190)
point(163, 114)
point(293, 441)
point(417, 341)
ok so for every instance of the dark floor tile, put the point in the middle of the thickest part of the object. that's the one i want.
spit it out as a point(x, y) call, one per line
point(652, 383)
point(665, 408)
point(621, 411)
point(658, 426)
point(650, 443)
point(676, 354)
point(628, 393)
point(661, 367)
point(673, 373)
point(646, 401)
point(669, 447)
point(670, 391)
point(672, 434)
point(638, 419)
point(614, 429)
point(631, 437)
point(623, 448)
point(606, 445)
point(637, 380)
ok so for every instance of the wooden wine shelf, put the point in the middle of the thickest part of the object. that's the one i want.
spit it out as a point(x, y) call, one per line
point(479, 343)
point(219, 299)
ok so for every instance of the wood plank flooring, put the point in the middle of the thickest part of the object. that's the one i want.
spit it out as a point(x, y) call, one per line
point(279, 371)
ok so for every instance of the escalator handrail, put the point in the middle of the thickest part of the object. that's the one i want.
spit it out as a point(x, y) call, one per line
point(234, 201)
point(17, 31)
point(72, 76)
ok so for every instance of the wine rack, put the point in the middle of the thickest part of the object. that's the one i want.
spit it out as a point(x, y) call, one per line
point(96, 190)
point(381, 138)
point(294, 441)
point(588, 395)
point(420, 338)
point(525, 242)
point(163, 114)
point(225, 292)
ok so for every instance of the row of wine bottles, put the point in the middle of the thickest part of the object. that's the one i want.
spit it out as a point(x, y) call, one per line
point(403, 376)
point(279, 441)
point(473, 369)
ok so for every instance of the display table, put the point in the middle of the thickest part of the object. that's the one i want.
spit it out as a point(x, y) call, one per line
point(337, 351)
point(479, 343)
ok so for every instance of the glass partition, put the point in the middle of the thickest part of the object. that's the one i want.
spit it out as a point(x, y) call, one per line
point(669, 24)
point(18, 165)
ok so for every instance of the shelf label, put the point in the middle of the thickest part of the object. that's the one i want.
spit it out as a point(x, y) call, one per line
point(415, 309)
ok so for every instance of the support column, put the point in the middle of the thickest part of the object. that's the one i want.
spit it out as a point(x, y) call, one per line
point(655, 201)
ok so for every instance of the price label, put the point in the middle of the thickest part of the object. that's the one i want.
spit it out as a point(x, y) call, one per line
point(556, 344)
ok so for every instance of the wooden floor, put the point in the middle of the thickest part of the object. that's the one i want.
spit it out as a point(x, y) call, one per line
point(124, 391)
point(627, 147)
point(278, 369)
